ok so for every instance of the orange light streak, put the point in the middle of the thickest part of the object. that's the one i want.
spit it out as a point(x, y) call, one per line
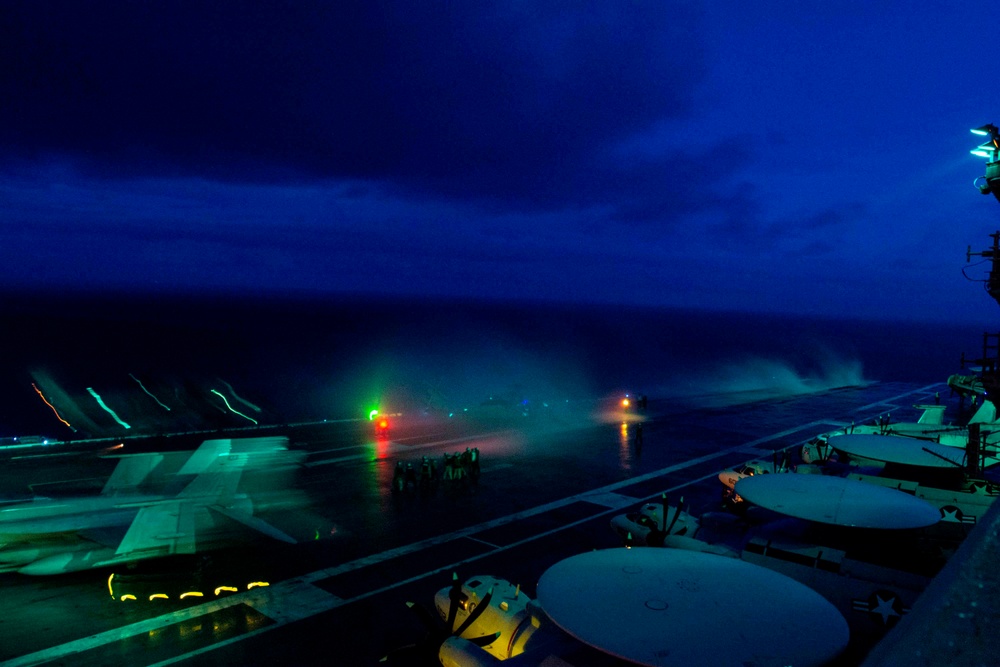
point(56, 412)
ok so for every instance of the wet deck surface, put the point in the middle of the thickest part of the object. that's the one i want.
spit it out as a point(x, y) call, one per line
point(550, 483)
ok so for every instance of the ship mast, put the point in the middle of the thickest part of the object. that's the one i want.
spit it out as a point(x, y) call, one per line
point(989, 363)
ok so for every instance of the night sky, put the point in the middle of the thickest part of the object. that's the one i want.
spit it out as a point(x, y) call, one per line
point(781, 157)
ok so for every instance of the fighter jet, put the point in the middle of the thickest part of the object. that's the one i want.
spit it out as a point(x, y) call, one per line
point(122, 525)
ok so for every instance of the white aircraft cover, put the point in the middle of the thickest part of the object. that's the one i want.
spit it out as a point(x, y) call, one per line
point(906, 451)
point(837, 501)
point(662, 607)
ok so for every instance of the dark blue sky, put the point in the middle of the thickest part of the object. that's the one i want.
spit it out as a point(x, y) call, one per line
point(779, 156)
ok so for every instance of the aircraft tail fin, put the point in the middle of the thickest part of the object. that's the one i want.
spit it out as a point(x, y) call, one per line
point(173, 526)
point(218, 483)
point(205, 456)
point(932, 414)
point(263, 453)
point(986, 414)
point(131, 471)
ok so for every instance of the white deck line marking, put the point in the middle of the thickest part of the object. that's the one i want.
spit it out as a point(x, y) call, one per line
point(611, 500)
point(287, 603)
point(893, 402)
point(489, 544)
point(754, 451)
point(126, 631)
point(285, 591)
point(41, 456)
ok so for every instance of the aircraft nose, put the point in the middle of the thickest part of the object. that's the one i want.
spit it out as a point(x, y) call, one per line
point(14, 556)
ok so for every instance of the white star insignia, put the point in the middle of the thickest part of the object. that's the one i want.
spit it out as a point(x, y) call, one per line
point(950, 515)
point(884, 608)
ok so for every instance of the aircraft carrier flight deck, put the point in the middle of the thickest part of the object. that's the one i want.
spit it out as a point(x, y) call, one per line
point(548, 484)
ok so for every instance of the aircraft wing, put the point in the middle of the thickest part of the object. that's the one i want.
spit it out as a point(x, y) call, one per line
point(256, 523)
point(161, 530)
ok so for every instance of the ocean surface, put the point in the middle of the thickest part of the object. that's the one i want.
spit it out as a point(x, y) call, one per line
point(83, 366)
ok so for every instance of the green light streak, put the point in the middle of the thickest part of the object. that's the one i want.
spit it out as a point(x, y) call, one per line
point(240, 398)
point(148, 392)
point(235, 412)
point(372, 414)
point(111, 412)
